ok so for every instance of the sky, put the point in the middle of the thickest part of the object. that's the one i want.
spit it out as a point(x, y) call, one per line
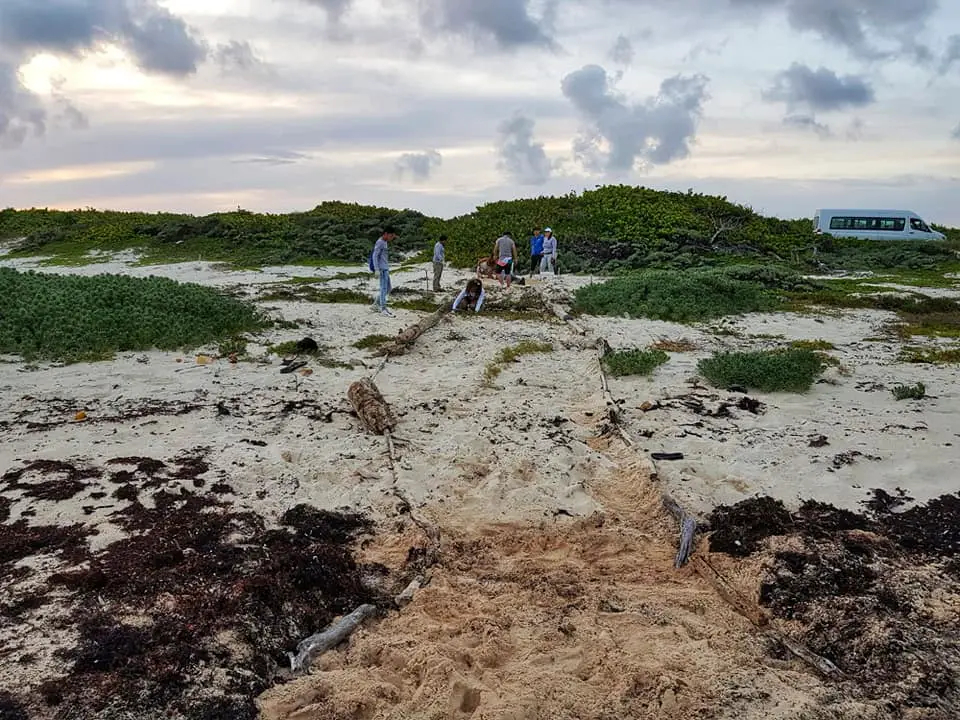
point(442, 105)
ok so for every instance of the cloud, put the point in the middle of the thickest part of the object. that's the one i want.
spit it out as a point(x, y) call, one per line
point(419, 166)
point(335, 9)
point(808, 122)
point(157, 41)
point(236, 57)
point(509, 24)
point(951, 55)
point(622, 51)
point(821, 90)
point(853, 23)
point(520, 157)
point(956, 132)
point(655, 131)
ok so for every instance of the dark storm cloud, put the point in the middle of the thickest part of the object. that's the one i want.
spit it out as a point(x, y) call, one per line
point(417, 166)
point(655, 131)
point(519, 156)
point(820, 90)
point(158, 41)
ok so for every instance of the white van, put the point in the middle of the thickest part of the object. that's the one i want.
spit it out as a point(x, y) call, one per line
point(873, 225)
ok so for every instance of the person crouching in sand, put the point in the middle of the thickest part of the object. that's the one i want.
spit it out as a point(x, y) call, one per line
point(472, 296)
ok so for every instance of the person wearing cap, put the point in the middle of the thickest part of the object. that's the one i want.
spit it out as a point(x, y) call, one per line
point(549, 261)
point(505, 251)
point(536, 251)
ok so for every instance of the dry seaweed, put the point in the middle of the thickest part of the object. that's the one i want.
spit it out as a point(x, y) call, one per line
point(69, 480)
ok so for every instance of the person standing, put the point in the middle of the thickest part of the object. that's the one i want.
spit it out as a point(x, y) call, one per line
point(439, 257)
point(549, 261)
point(536, 251)
point(505, 250)
point(381, 266)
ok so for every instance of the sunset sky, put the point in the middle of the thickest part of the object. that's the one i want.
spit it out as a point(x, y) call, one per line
point(440, 105)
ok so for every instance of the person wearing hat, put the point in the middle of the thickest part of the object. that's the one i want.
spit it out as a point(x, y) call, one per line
point(549, 261)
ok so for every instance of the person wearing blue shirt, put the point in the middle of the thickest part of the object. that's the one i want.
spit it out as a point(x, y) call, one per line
point(439, 257)
point(536, 251)
point(381, 266)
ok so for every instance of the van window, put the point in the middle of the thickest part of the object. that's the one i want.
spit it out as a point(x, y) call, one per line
point(867, 223)
point(920, 225)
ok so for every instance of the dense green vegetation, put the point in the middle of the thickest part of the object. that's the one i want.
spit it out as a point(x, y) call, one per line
point(71, 318)
point(611, 229)
point(332, 231)
point(634, 361)
point(789, 370)
point(691, 295)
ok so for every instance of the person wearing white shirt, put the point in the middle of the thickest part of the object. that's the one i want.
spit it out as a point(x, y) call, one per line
point(548, 263)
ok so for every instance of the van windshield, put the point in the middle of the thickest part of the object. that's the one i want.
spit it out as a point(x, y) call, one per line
point(919, 225)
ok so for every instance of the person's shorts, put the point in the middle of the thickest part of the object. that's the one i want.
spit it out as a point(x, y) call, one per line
point(505, 266)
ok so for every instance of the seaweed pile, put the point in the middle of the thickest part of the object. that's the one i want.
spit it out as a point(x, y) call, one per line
point(876, 592)
point(190, 614)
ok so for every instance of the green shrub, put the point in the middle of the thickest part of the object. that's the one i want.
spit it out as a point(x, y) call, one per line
point(634, 362)
point(73, 318)
point(909, 392)
point(680, 296)
point(372, 341)
point(791, 370)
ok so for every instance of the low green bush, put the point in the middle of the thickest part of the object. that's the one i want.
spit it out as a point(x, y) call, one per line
point(909, 392)
point(685, 295)
point(789, 370)
point(634, 361)
point(72, 318)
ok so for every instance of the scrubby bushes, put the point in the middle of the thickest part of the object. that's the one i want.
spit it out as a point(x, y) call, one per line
point(688, 296)
point(634, 361)
point(71, 318)
point(791, 370)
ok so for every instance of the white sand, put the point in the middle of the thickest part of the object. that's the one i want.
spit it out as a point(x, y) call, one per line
point(521, 452)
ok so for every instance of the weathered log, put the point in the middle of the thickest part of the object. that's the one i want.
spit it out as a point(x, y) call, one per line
point(734, 597)
point(408, 336)
point(688, 529)
point(312, 647)
point(371, 408)
point(406, 596)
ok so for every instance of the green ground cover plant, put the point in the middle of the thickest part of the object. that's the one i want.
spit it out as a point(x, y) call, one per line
point(513, 354)
point(909, 392)
point(635, 361)
point(931, 356)
point(371, 342)
point(689, 295)
point(72, 318)
point(781, 370)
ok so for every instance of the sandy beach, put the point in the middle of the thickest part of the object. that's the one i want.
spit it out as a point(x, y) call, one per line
point(554, 595)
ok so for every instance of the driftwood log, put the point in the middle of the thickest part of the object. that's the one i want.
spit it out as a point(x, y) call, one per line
point(408, 336)
point(312, 647)
point(371, 408)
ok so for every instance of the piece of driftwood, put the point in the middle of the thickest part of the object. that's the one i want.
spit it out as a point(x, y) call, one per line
point(409, 335)
point(406, 596)
point(734, 597)
point(688, 529)
point(312, 647)
point(370, 406)
point(564, 314)
point(818, 662)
